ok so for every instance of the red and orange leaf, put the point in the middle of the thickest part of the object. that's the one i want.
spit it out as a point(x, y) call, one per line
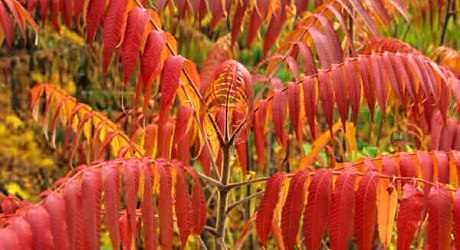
point(111, 180)
point(341, 216)
point(91, 207)
point(131, 185)
point(292, 209)
point(137, 21)
point(267, 206)
point(409, 215)
point(316, 213)
point(439, 218)
point(55, 206)
point(366, 210)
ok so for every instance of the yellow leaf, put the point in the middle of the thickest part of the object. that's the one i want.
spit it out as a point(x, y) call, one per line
point(387, 202)
point(318, 145)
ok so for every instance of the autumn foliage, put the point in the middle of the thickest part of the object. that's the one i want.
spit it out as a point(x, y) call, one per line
point(285, 137)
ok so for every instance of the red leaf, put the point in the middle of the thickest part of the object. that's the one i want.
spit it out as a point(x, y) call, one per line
point(448, 134)
point(332, 42)
point(310, 100)
point(39, 221)
point(55, 207)
point(9, 239)
point(199, 203)
point(316, 213)
point(358, 7)
point(238, 19)
point(55, 8)
point(94, 14)
point(394, 79)
point(279, 115)
point(409, 215)
point(439, 218)
point(381, 87)
point(274, 28)
point(368, 85)
point(217, 10)
point(91, 191)
point(183, 206)
point(365, 210)
point(258, 15)
point(164, 140)
point(169, 83)
point(165, 207)
point(321, 43)
point(7, 25)
point(74, 216)
point(137, 21)
point(294, 110)
point(113, 24)
point(308, 61)
point(23, 231)
point(240, 143)
point(292, 209)
point(44, 10)
point(340, 93)
point(131, 185)
point(260, 121)
point(326, 95)
point(148, 208)
point(151, 62)
point(456, 218)
point(267, 206)
point(111, 202)
point(341, 217)
point(406, 166)
point(354, 88)
point(389, 166)
point(442, 160)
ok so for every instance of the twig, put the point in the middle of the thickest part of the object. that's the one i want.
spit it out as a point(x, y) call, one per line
point(446, 21)
point(245, 199)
